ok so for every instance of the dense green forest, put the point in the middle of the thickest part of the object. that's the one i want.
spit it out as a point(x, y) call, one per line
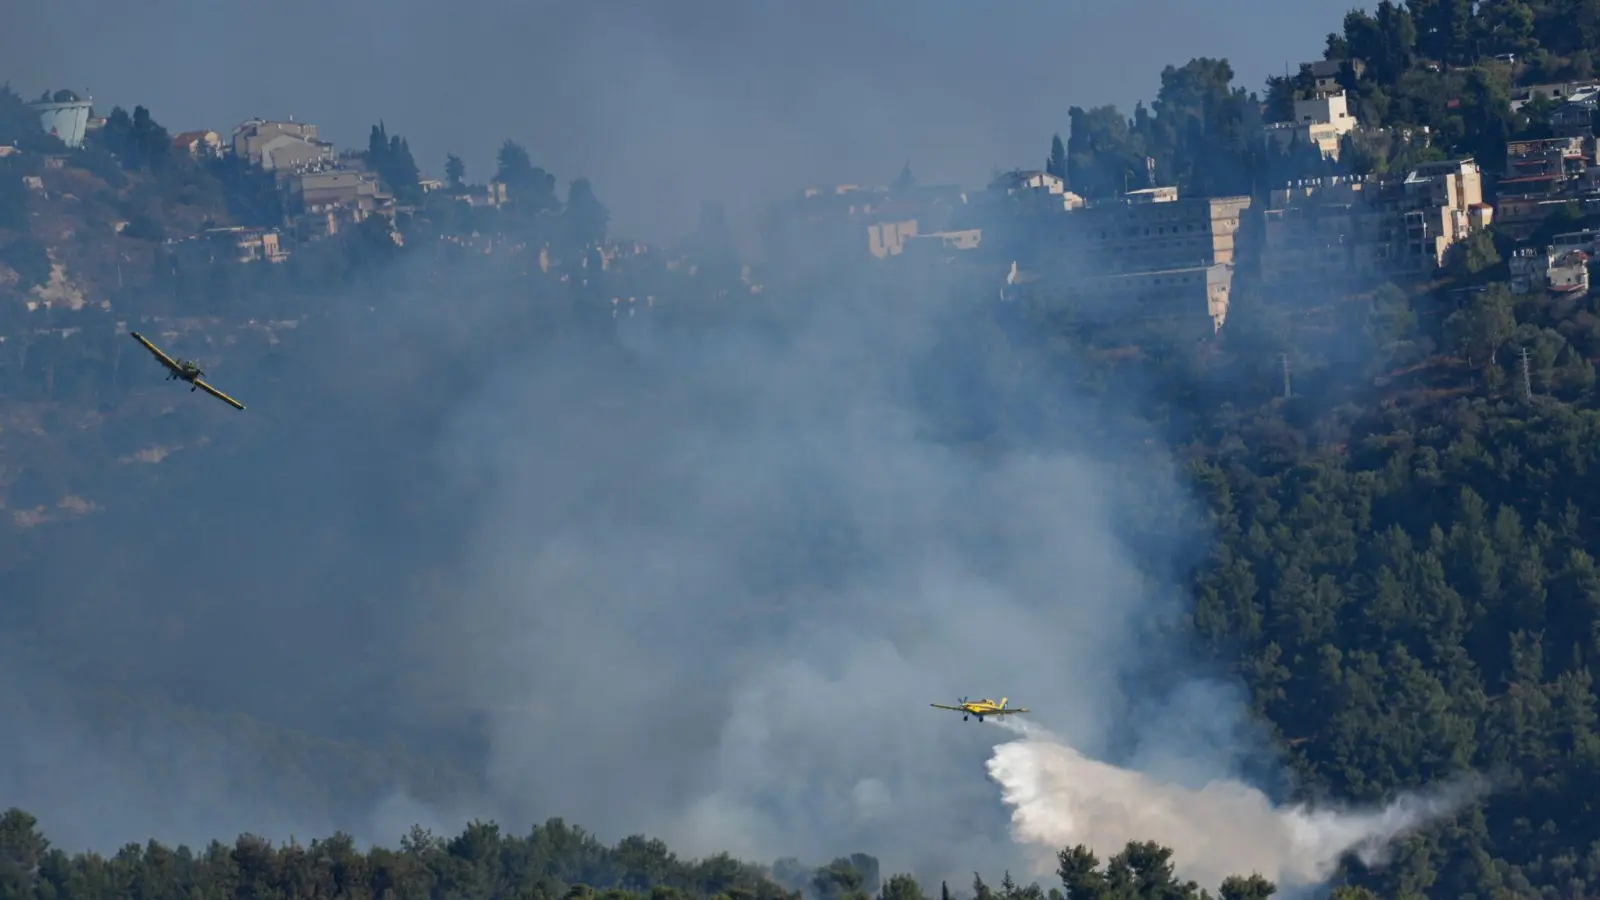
point(1403, 549)
point(551, 862)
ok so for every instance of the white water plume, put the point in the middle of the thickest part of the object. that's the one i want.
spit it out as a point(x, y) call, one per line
point(1060, 798)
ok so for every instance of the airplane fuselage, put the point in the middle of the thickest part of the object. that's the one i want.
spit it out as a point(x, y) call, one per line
point(982, 708)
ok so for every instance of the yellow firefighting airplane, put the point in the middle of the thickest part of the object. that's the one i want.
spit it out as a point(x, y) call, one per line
point(185, 371)
point(981, 708)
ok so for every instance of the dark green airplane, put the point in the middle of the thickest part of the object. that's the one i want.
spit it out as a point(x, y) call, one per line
point(184, 370)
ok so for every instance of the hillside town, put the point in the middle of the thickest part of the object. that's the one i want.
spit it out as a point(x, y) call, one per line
point(1151, 251)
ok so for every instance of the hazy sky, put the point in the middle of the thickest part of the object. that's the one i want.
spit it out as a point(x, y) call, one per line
point(661, 103)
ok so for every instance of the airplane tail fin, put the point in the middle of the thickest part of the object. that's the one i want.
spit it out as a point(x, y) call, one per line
point(1003, 702)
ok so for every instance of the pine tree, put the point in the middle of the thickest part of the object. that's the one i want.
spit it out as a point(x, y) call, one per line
point(1057, 164)
point(906, 181)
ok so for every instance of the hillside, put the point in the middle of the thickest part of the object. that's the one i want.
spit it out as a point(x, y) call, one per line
point(1389, 546)
point(553, 860)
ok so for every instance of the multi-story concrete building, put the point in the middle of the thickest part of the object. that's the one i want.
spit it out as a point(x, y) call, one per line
point(280, 145)
point(1542, 169)
point(1151, 229)
point(1566, 157)
point(1148, 254)
point(321, 187)
point(1542, 176)
point(1343, 228)
point(1183, 293)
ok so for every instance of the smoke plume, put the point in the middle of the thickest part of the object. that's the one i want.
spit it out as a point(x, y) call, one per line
point(1061, 798)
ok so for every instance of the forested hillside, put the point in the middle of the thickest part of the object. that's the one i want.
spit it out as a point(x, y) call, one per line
point(553, 860)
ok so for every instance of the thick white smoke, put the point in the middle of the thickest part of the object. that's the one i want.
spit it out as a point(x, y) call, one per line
point(1060, 798)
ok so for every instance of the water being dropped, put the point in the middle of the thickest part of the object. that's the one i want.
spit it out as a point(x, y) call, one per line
point(1060, 798)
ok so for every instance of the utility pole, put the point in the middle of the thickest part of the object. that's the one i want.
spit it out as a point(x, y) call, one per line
point(1285, 358)
point(1527, 378)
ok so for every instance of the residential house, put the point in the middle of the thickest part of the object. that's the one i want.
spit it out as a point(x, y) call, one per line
point(236, 244)
point(1568, 273)
point(907, 240)
point(1325, 73)
point(1575, 116)
point(1587, 240)
point(1527, 267)
point(1321, 120)
point(1035, 189)
point(491, 194)
point(1559, 91)
point(1552, 269)
point(198, 143)
point(889, 238)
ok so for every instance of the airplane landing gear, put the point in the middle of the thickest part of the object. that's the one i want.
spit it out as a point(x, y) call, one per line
point(980, 718)
point(964, 718)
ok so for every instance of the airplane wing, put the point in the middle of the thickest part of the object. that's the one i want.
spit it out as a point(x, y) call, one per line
point(942, 706)
point(165, 359)
point(200, 383)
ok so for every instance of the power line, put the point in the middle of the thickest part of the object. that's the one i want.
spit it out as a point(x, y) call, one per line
point(1286, 385)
